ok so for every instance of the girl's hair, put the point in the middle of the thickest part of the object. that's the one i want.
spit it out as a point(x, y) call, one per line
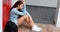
point(16, 4)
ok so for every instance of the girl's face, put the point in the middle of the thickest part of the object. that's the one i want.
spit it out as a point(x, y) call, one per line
point(20, 6)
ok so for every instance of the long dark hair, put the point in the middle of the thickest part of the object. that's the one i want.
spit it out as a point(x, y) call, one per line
point(16, 4)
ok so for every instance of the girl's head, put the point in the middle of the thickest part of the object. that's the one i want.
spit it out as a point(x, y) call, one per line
point(18, 4)
point(22, 1)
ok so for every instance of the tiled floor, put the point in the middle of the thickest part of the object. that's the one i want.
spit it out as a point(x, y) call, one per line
point(45, 28)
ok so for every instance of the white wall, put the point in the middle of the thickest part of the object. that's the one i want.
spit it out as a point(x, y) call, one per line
point(58, 19)
point(0, 15)
point(48, 3)
point(13, 2)
point(57, 16)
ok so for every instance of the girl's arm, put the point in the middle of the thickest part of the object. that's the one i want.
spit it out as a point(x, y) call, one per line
point(17, 12)
point(27, 13)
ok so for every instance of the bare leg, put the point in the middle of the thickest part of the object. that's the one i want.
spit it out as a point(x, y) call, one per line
point(23, 18)
point(20, 20)
point(30, 21)
point(34, 27)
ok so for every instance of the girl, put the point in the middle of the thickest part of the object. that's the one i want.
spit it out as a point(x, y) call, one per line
point(28, 13)
point(18, 15)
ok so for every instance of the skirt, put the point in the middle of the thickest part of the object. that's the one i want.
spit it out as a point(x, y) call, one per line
point(11, 27)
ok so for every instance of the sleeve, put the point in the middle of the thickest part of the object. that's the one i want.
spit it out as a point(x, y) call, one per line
point(27, 13)
point(18, 13)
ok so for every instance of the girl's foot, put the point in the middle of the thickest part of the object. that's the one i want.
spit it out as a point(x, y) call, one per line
point(35, 28)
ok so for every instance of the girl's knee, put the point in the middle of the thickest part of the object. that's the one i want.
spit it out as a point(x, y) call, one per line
point(26, 16)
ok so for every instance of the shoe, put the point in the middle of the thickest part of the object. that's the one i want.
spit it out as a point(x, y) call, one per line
point(35, 28)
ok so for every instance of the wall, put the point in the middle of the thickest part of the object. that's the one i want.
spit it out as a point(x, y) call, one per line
point(0, 15)
point(57, 15)
point(58, 19)
point(47, 3)
point(42, 14)
point(13, 1)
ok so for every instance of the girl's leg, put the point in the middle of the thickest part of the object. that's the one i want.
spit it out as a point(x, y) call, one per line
point(21, 19)
point(30, 21)
point(34, 27)
point(27, 18)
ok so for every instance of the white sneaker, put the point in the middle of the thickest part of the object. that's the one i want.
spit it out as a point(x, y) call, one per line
point(35, 28)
